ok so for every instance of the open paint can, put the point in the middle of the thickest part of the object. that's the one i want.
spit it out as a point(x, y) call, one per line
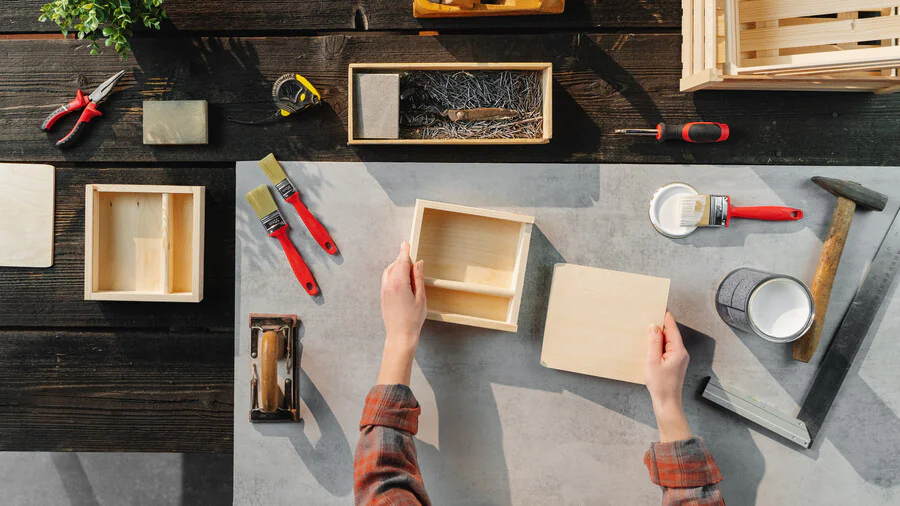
point(775, 307)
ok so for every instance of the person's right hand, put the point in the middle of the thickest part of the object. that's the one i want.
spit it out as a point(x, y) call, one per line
point(403, 309)
point(664, 370)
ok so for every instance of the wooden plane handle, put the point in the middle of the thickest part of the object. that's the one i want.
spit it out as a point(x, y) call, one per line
point(268, 361)
point(805, 347)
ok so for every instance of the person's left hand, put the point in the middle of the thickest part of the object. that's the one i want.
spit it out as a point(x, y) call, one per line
point(403, 309)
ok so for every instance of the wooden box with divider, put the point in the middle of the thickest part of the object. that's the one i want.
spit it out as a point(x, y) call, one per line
point(475, 262)
point(144, 243)
point(814, 45)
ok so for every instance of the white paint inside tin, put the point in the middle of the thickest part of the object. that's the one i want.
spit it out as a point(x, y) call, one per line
point(780, 308)
point(665, 210)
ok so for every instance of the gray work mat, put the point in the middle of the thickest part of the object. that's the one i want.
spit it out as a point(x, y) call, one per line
point(497, 428)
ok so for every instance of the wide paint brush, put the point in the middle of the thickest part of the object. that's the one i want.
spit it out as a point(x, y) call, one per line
point(717, 211)
point(262, 202)
point(276, 174)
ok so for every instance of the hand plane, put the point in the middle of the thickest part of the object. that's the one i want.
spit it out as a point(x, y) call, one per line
point(273, 368)
point(462, 8)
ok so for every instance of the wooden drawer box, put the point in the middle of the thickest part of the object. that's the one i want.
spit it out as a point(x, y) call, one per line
point(144, 243)
point(546, 70)
point(475, 262)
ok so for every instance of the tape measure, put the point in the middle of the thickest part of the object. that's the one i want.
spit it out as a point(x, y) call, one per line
point(292, 93)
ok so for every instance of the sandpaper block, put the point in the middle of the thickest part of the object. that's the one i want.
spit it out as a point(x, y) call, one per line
point(377, 102)
point(175, 122)
point(274, 391)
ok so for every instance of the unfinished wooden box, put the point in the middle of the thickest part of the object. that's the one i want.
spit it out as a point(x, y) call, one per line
point(475, 262)
point(144, 243)
point(826, 45)
point(546, 70)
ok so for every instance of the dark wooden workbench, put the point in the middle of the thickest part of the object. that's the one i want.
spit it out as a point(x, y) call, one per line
point(78, 375)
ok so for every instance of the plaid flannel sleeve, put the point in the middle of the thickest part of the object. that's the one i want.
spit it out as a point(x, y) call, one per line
point(385, 468)
point(686, 471)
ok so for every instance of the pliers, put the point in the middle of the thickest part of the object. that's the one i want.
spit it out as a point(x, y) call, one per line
point(90, 110)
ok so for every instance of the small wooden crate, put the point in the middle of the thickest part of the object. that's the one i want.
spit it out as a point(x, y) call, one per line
point(546, 81)
point(826, 45)
point(144, 243)
point(475, 262)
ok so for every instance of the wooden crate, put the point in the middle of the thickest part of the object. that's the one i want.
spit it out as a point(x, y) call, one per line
point(547, 82)
point(144, 243)
point(815, 45)
point(475, 262)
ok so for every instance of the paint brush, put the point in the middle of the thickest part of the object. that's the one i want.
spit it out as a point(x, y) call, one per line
point(717, 211)
point(262, 202)
point(276, 174)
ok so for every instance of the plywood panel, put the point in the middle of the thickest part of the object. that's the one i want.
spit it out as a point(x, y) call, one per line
point(597, 321)
point(130, 241)
point(26, 215)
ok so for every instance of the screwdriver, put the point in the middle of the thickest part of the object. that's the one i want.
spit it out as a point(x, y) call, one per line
point(696, 132)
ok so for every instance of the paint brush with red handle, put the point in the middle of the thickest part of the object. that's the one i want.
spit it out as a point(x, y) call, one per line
point(262, 202)
point(276, 174)
point(717, 211)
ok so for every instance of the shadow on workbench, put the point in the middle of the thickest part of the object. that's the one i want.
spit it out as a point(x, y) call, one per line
point(94, 479)
point(470, 456)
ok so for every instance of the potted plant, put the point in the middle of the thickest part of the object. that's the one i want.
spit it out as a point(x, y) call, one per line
point(112, 19)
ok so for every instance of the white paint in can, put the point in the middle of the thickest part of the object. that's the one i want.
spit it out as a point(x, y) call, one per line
point(780, 308)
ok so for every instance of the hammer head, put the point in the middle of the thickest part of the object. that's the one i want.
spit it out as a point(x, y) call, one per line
point(856, 192)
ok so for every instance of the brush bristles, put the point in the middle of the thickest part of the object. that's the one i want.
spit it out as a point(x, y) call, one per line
point(693, 210)
point(261, 201)
point(273, 169)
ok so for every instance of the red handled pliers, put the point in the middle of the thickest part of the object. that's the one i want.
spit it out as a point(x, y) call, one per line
point(90, 110)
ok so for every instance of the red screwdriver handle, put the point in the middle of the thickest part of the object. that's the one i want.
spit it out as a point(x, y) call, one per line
point(766, 213)
point(80, 101)
point(698, 132)
point(315, 228)
point(301, 270)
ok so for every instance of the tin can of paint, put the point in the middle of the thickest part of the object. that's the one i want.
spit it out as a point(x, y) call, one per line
point(775, 307)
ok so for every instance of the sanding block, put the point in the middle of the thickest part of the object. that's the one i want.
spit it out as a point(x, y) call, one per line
point(174, 122)
point(273, 368)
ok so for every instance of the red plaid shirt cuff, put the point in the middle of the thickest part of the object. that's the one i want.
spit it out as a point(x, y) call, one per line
point(682, 464)
point(392, 406)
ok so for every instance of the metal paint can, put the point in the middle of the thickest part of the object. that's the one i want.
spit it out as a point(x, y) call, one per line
point(775, 307)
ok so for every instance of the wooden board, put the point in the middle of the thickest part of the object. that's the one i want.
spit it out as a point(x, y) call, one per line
point(597, 321)
point(55, 297)
point(316, 15)
point(26, 215)
point(600, 83)
point(107, 390)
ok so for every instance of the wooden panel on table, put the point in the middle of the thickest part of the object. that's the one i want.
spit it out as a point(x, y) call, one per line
point(55, 296)
point(116, 391)
point(601, 82)
point(316, 15)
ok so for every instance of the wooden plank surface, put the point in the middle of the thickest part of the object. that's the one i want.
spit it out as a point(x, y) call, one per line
point(54, 297)
point(601, 82)
point(18, 16)
point(104, 390)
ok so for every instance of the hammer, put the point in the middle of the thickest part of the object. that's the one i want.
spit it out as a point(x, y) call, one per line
point(850, 195)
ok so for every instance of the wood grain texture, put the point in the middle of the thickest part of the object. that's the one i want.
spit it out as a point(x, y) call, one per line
point(601, 82)
point(593, 328)
point(26, 207)
point(54, 297)
point(805, 347)
point(116, 391)
point(315, 15)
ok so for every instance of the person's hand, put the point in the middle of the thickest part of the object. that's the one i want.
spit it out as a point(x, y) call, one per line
point(403, 311)
point(666, 365)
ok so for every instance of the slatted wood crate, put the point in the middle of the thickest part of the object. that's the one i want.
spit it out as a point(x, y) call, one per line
point(815, 45)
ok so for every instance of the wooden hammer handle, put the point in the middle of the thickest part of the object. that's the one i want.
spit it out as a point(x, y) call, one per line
point(805, 347)
point(268, 364)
